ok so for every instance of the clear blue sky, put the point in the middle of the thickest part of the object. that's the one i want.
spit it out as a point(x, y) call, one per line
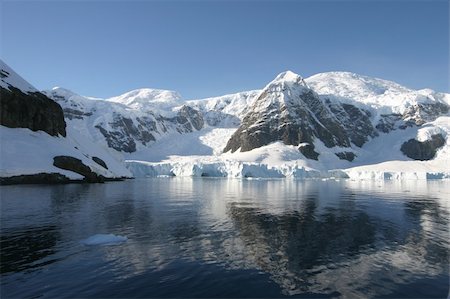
point(209, 48)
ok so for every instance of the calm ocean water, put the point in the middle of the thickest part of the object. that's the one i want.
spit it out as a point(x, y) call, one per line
point(226, 238)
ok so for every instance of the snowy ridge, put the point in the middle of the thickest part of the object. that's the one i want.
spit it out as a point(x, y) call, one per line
point(9, 78)
point(150, 100)
point(34, 153)
point(130, 122)
point(330, 125)
point(379, 95)
point(379, 157)
point(227, 110)
point(286, 88)
point(286, 78)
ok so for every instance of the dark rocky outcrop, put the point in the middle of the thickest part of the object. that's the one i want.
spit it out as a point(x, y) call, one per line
point(31, 110)
point(387, 122)
point(77, 166)
point(75, 114)
point(39, 178)
point(424, 112)
point(100, 162)
point(425, 150)
point(118, 140)
point(356, 122)
point(349, 156)
point(122, 130)
point(124, 133)
point(189, 117)
point(415, 115)
point(308, 151)
point(290, 112)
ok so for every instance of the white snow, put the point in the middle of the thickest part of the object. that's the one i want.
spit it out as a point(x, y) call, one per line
point(425, 133)
point(8, 78)
point(200, 153)
point(23, 151)
point(225, 111)
point(150, 100)
point(377, 95)
point(288, 77)
point(104, 239)
point(380, 158)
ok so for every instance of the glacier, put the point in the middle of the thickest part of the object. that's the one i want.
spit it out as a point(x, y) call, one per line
point(104, 239)
point(154, 132)
point(379, 158)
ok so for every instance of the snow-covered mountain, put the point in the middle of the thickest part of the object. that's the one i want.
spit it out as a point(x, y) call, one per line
point(288, 110)
point(363, 126)
point(36, 146)
point(349, 111)
point(225, 111)
point(331, 124)
point(391, 104)
point(130, 122)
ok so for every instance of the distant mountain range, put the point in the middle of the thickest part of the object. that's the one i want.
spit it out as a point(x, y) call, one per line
point(329, 122)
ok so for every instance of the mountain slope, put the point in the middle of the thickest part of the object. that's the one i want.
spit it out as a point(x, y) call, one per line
point(130, 122)
point(391, 104)
point(225, 111)
point(22, 106)
point(288, 110)
point(36, 146)
point(330, 124)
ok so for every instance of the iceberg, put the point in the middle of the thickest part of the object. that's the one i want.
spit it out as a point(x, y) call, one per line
point(104, 239)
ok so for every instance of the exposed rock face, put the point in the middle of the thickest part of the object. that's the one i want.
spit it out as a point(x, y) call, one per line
point(75, 165)
point(22, 106)
point(425, 150)
point(388, 122)
point(415, 115)
point(40, 178)
point(349, 156)
point(308, 151)
point(190, 118)
point(126, 129)
point(100, 162)
point(225, 111)
point(421, 113)
point(75, 114)
point(356, 122)
point(123, 134)
point(31, 110)
point(289, 111)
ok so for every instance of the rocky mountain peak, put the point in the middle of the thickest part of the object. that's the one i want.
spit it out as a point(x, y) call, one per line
point(288, 110)
point(286, 80)
point(288, 76)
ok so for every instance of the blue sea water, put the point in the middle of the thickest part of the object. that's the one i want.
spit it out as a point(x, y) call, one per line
point(205, 237)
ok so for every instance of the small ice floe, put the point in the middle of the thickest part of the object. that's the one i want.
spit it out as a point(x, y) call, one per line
point(104, 239)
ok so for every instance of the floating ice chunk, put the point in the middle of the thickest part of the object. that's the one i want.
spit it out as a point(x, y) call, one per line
point(104, 239)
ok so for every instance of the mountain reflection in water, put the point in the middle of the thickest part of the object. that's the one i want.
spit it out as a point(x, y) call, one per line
point(228, 238)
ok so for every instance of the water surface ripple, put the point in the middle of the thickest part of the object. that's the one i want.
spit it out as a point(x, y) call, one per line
point(227, 238)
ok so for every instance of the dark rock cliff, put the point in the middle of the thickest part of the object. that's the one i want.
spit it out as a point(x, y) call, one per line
point(299, 121)
point(289, 111)
point(31, 110)
point(77, 166)
point(425, 150)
